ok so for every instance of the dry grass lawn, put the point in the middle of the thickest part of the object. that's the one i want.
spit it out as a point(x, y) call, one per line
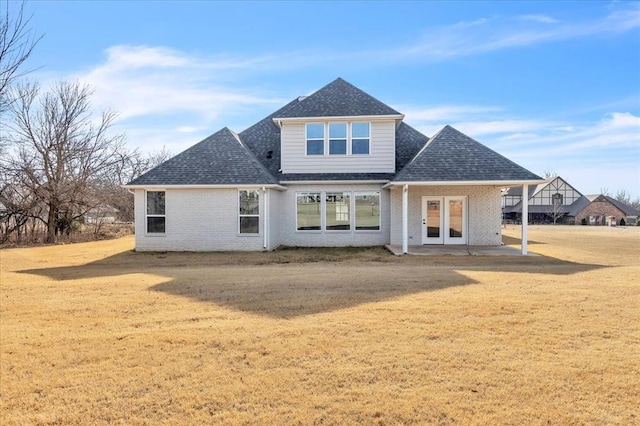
point(94, 333)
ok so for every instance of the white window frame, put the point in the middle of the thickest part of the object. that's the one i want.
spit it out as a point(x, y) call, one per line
point(352, 212)
point(323, 139)
point(147, 215)
point(355, 212)
point(248, 234)
point(352, 139)
point(347, 128)
point(326, 139)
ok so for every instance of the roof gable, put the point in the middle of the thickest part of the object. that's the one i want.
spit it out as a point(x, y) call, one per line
point(337, 99)
point(220, 159)
point(451, 156)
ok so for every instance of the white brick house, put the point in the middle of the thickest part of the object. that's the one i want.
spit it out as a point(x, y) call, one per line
point(336, 168)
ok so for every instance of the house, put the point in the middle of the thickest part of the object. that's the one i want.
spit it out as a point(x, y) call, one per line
point(600, 209)
point(335, 168)
point(549, 202)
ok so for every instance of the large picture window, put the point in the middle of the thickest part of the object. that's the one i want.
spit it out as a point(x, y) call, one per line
point(337, 211)
point(156, 218)
point(249, 212)
point(315, 139)
point(308, 211)
point(367, 211)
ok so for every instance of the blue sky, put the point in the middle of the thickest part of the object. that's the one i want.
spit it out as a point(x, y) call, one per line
point(555, 86)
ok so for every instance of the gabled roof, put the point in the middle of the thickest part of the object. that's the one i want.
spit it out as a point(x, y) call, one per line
point(451, 156)
point(582, 202)
point(220, 159)
point(337, 99)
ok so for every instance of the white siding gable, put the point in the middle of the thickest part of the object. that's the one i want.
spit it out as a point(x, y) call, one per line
point(381, 157)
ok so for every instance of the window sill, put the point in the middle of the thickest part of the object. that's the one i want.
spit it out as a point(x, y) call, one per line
point(155, 234)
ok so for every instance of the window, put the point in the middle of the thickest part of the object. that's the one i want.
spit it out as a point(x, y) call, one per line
point(367, 211)
point(249, 212)
point(337, 138)
point(308, 211)
point(337, 211)
point(156, 219)
point(340, 138)
point(556, 199)
point(360, 138)
point(315, 139)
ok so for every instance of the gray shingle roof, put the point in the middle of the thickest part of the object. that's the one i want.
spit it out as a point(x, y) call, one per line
point(292, 177)
point(338, 99)
point(451, 156)
point(220, 159)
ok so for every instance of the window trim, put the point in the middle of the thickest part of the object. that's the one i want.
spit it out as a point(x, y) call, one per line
point(352, 139)
point(355, 212)
point(239, 229)
point(326, 139)
point(307, 139)
point(147, 215)
point(311, 231)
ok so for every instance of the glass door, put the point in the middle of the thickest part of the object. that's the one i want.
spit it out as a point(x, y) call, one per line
point(432, 220)
point(444, 220)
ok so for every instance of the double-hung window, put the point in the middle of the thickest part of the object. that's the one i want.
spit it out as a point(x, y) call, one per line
point(315, 138)
point(249, 212)
point(337, 138)
point(156, 218)
point(360, 138)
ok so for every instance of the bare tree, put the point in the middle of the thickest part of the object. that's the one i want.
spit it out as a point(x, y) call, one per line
point(555, 209)
point(16, 44)
point(548, 174)
point(60, 153)
point(623, 196)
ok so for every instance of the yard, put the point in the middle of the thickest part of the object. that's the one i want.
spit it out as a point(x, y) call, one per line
point(94, 333)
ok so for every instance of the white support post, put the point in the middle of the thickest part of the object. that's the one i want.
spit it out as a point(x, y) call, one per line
point(265, 224)
point(405, 219)
point(525, 217)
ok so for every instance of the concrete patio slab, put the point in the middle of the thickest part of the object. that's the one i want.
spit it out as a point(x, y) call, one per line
point(438, 250)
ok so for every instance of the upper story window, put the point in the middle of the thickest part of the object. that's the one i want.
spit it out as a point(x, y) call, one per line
point(353, 138)
point(337, 138)
point(360, 138)
point(315, 139)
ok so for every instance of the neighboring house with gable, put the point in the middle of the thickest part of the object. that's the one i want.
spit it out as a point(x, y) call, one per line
point(549, 202)
point(600, 209)
point(335, 168)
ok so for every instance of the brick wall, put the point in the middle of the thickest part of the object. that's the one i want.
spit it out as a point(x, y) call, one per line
point(602, 209)
point(484, 212)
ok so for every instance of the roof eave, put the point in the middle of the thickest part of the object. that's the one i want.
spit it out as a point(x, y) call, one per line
point(500, 183)
point(279, 120)
point(332, 182)
point(211, 186)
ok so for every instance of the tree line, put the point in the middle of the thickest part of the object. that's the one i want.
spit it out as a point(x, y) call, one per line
point(58, 159)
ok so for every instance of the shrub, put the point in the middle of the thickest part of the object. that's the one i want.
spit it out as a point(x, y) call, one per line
point(584, 221)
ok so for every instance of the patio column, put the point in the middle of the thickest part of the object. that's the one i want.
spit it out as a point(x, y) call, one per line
point(405, 219)
point(525, 217)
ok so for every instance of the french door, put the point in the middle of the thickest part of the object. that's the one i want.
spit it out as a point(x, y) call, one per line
point(444, 220)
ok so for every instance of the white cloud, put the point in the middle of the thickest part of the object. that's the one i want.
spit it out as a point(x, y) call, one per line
point(543, 19)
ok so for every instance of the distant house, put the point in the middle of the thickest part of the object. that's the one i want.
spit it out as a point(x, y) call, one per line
point(101, 214)
point(600, 209)
point(549, 202)
point(335, 168)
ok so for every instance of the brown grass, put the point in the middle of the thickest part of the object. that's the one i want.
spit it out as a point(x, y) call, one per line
point(94, 333)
